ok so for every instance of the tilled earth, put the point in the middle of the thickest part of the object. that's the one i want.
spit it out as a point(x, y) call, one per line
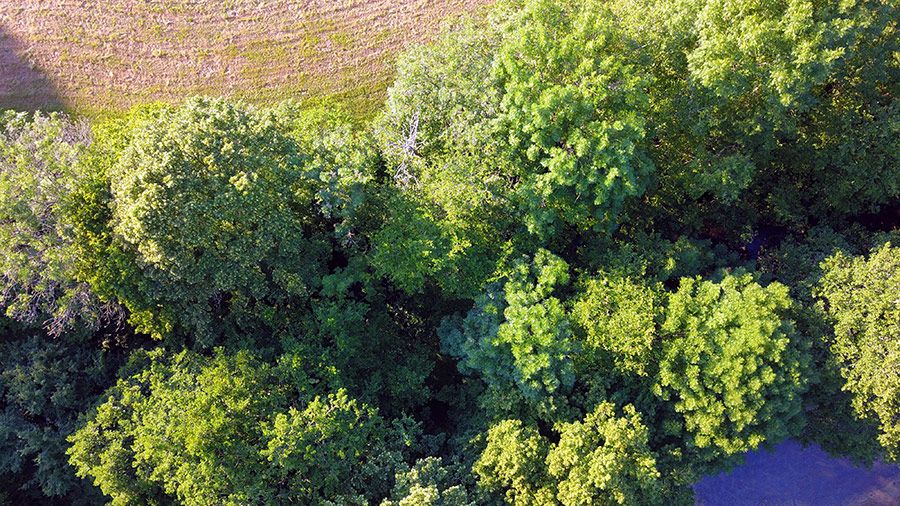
point(100, 55)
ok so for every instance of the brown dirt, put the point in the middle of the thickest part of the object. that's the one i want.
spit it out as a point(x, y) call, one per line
point(94, 56)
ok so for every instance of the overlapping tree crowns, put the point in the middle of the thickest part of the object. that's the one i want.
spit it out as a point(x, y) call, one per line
point(603, 459)
point(234, 429)
point(521, 337)
point(751, 102)
point(39, 170)
point(570, 175)
point(519, 126)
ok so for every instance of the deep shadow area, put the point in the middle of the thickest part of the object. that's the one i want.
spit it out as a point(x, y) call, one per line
point(22, 86)
point(797, 475)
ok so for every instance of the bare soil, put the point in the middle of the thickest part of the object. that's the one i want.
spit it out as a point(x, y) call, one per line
point(93, 56)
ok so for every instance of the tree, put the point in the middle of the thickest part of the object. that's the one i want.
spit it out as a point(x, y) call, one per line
point(601, 459)
point(44, 386)
point(536, 328)
point(334, 447)
point(616, 318)
point(233, 429)
point(217, 207)
point(729, 367)
point(573, 104)
point(605, 459)
point(39, 169)
point(513, 462)
point(755, 99)
point(430, 482)
point(861, 297)
point(448, 213)
point(531, 346)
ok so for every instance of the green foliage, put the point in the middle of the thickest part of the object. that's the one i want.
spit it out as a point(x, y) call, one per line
point(605, 459)
point(590, 251)
point(447, 212)
point(431, 483)
point(440, 100)
point(513, 462)
point(341, 160)
point(756, 100)
point(616, 321)
point(538, 111)
point(367, 341)
point(602, 459)
point(213, 201)
point(410, 247)
point(531, 345)
point(178, 428)
point(536, 328)
point(573, 109)
point(861, 296)
point(99, 260)
point(39, 157)
point(729, 367)
point(473, 339)
point(228, 429)
point(44, 386)
point(831, 420)
point(332, 447)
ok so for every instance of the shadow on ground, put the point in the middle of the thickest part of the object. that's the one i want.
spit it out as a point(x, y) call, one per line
point(791, 474)
point(22, 85)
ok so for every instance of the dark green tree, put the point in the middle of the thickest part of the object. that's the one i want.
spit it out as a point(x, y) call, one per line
point(45, 384)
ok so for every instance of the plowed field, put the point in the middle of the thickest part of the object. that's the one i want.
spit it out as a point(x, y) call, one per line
point(94, 56)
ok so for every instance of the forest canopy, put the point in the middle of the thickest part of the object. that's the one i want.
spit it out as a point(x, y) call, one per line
point(588, 252)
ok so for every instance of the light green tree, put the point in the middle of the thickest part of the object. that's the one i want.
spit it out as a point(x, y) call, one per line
point(39, 171)
point(616, 320)
point(600, 459)
point(729, 367)
point(573, 105)
point(605, 459)
point(233, 430)
point(513, 462)
point(862, 297)
point(432, 483)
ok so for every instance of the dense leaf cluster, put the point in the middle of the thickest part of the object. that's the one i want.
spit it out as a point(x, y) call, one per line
point(589, 252)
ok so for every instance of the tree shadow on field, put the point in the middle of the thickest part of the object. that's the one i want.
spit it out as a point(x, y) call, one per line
point(22, 86)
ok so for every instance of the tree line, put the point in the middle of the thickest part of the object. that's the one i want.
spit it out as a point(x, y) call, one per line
point(589, 252)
